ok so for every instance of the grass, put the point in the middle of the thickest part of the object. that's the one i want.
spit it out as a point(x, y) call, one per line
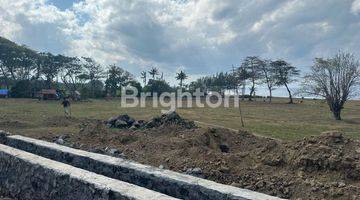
point(277, 120)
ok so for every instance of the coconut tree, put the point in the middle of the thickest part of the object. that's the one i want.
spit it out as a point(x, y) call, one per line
point(181, 76)
point(153, 72)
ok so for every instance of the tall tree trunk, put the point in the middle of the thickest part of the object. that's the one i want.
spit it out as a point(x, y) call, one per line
point(335, 109)
point(290, 96)
point(252, 90)
point(270, 93)
point(48, 83)
point(93, 88)
point(243, 91)
point(337, 114)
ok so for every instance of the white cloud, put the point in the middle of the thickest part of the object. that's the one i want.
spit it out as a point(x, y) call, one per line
point(202, 36)
point(355, 7)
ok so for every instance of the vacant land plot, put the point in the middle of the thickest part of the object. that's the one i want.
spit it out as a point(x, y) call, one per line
point(320, 167)
point(277, 120)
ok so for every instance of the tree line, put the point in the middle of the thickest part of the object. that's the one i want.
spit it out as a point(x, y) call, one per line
point(253, 71)
point(25, 71)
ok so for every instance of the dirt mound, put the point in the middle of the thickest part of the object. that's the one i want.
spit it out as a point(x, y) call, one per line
point(328, 152)
point(121, 121)
point(170, 119)
point(322, 167)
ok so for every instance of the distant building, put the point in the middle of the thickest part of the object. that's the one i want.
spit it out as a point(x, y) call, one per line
point(4, 93)
point(49, 94)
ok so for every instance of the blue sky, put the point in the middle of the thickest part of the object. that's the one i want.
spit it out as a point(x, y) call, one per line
point(63, 4)
point(198, 36)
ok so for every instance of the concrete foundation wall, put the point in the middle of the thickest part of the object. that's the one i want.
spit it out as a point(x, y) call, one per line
point(27, 176)
point(164, 181)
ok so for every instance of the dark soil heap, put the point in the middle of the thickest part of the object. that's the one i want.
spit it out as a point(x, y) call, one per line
point(170, 119)
point(125, 121)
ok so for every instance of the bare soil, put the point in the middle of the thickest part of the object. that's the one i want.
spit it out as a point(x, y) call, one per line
point(321, 167)
point(317, 167)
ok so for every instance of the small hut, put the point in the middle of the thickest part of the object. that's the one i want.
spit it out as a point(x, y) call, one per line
point(49, 94)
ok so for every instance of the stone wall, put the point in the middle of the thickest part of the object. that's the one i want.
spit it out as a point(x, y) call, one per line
point(27, 176)
point(164, 181)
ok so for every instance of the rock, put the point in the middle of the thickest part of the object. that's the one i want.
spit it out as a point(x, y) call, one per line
point(127, 119)
point(136, 124)
point(120, 124)
point(141, 122)
point(341, 184)
point(97, 150)
point(195, 172)
point(64, 137)
point(59, 141)
point(161, 166)
point(171, 118)
point(112, 151)
point(224, 148)
point(111, 121)
point(121, 121)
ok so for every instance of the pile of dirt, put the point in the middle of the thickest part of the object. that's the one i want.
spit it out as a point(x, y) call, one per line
point(169, 119)
point(172, 118)
point(319, 167)
point(121, 121)
point(328, 152)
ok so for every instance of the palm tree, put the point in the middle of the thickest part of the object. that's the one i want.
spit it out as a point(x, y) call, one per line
point(153, 72)
point(143, 76)
point(181, 76)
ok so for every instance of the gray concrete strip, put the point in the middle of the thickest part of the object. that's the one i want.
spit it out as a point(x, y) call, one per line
point(27, 176)
point(164, 181)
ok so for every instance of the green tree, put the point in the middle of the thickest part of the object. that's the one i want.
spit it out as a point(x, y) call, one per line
point(285, 74)
point(71, 68)
point(157, 86)
point(334, 79)
point(16, 62)
point(117, 77)
point(92, 72)
point(50, 66)
point(269, 76)
point(253, 66)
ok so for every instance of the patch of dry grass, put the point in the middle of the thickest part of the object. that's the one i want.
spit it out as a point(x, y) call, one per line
point(277, 120)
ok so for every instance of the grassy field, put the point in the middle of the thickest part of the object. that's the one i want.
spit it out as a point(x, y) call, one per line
point(277, 120)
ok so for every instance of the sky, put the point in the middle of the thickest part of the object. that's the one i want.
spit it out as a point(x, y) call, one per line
point(199, 36)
